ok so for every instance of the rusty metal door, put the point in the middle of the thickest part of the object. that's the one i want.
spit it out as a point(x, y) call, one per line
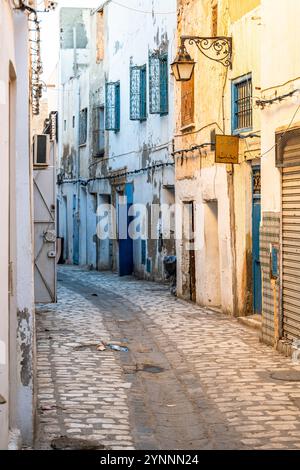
point(45, 230)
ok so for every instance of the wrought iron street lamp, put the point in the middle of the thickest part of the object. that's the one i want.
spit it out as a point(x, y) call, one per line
point(218, 49)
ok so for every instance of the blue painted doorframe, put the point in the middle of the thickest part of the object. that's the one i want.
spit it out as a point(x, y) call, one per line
point(125, 241)
point(75, 232)
point(256, 218)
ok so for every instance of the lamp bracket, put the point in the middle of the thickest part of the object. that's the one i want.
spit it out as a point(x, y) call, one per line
point(218, 48)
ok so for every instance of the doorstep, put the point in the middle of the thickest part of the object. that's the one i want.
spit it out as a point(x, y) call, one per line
point(253, 321)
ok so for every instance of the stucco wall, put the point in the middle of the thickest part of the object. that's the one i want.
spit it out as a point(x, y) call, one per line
point(16, 317)
point(198, 176)
point(280, 75)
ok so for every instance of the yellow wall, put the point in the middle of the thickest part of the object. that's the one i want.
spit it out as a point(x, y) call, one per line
point(212, 81)
point(238, 8)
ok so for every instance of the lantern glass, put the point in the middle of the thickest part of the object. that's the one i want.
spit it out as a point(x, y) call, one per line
point(183, 66)
point(185, 70)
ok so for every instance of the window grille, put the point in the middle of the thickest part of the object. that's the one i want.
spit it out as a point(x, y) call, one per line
point(112, 111)
point(242, 104)
point(98, 131)
point(158, 83)
point(138, 93)
point(83, 126)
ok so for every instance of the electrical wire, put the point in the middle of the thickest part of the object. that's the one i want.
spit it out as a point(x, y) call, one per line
point(116, 176)
point(144, 11)
point(279, 140)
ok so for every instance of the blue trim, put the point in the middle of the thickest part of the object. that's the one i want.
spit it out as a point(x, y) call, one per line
point(112, 109)
point(164, 84)
point(234, 83)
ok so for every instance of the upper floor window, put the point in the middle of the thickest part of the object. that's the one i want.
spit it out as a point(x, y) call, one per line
point(214, 18)
point(138, 93)
point(98, 131)
point(100, 37)
point(83, 126)
point(187, 102)
point(158, 83)
point(242, 104)
point(112, 106)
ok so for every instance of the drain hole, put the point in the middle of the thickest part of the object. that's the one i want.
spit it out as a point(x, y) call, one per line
point(69, 443)
point(151, 369)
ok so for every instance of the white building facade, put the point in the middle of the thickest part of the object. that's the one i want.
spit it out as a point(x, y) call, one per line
point(120, 112)
point(279, 102)
point(16, 247)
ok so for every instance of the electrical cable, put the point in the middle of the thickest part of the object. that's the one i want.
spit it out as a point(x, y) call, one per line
point(116, 176)
point(144, 11)
point(280, 139)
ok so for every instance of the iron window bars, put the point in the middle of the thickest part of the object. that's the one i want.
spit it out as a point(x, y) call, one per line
point(242, 104)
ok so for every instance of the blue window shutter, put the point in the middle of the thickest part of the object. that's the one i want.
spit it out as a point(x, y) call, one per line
point(135, 93)
point(154, 83)
point(117, 107)
point(143, 93)
point(138, 93)
point(112, 106)
point(164, 85)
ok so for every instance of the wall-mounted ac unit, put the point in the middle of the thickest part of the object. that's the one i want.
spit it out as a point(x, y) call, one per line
point(41, 150)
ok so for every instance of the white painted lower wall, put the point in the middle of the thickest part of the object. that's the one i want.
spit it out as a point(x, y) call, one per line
point(213, 254)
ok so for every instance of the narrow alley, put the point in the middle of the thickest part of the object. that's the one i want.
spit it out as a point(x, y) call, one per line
point(185, 383)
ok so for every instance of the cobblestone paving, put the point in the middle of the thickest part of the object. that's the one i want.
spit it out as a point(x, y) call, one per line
point(192, 379)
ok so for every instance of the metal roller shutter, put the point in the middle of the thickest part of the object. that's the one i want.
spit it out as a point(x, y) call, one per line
point(291, 242)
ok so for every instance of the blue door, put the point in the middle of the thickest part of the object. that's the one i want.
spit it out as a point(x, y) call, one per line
point(75, 232)
point(125, 241)
point(256, 218)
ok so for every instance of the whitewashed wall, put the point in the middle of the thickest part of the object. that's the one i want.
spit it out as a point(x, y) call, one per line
point(16, 317)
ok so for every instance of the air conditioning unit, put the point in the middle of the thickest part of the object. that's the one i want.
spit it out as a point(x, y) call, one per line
point(41, 150)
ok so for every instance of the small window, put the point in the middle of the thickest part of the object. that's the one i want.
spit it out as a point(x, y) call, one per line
point(187, 102)
point(138, 93)
point(214, 18)
point(65, 125)
point(242, 104)
point(158, 83)
point(73, 122)
point(98, 132)
point(112, 111)
point(100, 37)
point(83, 127)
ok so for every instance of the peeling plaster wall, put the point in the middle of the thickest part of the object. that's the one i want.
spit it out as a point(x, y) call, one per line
point(129, 38)
point(280, 64)
point(198, 178)
point(16, 328)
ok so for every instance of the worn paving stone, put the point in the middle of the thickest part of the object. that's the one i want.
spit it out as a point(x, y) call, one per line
point(214, 389)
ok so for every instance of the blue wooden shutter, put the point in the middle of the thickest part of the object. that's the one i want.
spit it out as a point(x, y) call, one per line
point(164, 84)
point(143, 93)
point(117, 107)
point(135, 93)
point(154, 83)
point(112, 105)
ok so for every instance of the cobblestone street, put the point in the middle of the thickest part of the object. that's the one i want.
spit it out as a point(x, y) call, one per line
point(192, 378)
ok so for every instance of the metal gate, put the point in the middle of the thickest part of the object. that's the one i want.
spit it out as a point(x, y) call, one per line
point(291, 239)
point(45, 227)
